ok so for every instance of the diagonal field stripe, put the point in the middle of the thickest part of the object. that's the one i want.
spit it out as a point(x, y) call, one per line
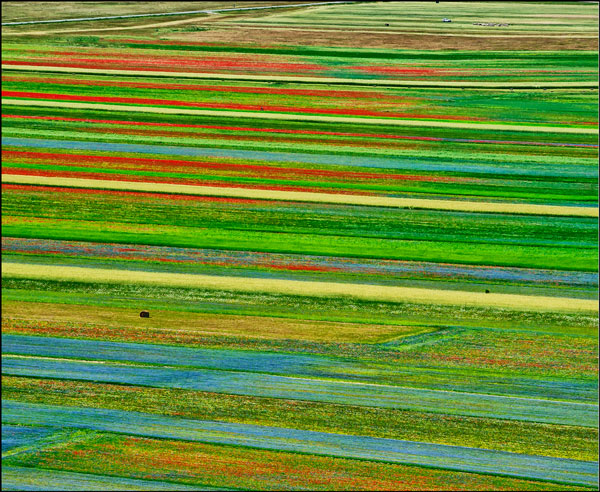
point(162, 14)
point(311, 80)
point(299, 117)
point(25, 478)
point(303, 196)
point(300, 288)
point(307, 389)
point(312, 442)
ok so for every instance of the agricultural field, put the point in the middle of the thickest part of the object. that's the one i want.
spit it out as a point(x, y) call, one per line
point(367, 241)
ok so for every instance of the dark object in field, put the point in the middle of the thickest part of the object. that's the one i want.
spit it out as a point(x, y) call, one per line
point(490, 24)
point(387, 24)
point(145, 314)
point(487, 291)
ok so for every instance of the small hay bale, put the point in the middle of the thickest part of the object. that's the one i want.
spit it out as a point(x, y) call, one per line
point(145, 314)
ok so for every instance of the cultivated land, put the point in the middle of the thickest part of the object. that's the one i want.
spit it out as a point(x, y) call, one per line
point(367, 240)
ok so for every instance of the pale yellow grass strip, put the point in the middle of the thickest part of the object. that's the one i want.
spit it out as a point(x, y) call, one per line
point(303, 196)
point(310, 80)
point(394, 32)
point(297, 117)
point(299, 288)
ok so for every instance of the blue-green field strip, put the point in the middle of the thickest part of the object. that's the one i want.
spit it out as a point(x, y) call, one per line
point(299, 365)
point(371, 448)
point(506, 168)
point(14, 436)
point(349, 393)
point(21, 478)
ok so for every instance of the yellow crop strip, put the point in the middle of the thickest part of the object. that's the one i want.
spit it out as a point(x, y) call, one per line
point(303, 196)
point(311, 80)
point(300, 288)
point(297, 117)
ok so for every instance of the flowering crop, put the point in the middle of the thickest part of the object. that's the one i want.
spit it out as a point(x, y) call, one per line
point(364, 244)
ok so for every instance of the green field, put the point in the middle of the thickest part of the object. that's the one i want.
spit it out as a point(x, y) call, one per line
point(366, 239)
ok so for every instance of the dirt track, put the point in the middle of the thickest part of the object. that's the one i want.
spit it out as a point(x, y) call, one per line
point(200, 19)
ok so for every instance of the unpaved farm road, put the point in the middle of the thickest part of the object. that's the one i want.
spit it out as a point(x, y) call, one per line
point(205, 11)
point(120, 28)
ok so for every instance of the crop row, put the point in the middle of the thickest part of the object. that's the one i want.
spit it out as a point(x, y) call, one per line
point(177, 259)
point(380, 293)
point(228, 467)
point(572, 442)
point(446, 457)
point(49, 102)
point(72, 177)
point(330, 391)
point(227, 171)
point(364, 268)
point(128, 54)
point(542, 355)
point(361, 127)
point(297, 307)
point(578, 169)
point(395, 363)
point(28, 478)
point(305, 242)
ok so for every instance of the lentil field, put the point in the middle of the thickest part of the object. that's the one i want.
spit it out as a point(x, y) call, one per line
point(367, 241)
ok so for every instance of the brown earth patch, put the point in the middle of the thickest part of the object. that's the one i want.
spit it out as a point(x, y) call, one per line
point(269, 36)
point(176, 327)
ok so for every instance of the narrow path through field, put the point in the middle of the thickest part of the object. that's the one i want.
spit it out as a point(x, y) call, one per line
point(204, 11)
point(122, 28)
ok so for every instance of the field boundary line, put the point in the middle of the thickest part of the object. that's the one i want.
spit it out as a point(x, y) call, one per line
point(279, 27)
point(53, 439)
point(157, 14)
point(179, 22)
point(412, 453)
point(312, 80)
point(300, 288)
point(18, 477)
point(297, 117)
point(304, 196)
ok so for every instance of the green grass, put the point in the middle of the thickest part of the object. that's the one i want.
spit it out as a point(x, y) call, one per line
point(294, 307)
point(506, 127)
point(452, 252)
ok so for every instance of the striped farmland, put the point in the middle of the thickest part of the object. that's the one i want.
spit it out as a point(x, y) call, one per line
point(366, 267)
